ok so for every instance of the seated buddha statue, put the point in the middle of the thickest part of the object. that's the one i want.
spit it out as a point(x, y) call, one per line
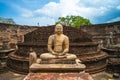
point(58, 47)
point(60, 44)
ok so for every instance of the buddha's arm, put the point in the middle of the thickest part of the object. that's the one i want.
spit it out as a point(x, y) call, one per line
point(66, 45)
point(50, 45)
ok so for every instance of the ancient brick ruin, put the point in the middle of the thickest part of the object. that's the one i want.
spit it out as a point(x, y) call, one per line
point(102, 32)
point(10, 32)
point(81, 44)
point(10, 35)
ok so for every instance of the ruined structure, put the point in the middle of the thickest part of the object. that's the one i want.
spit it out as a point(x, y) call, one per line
point(102, 32)
point(113, 49)
point(4, 51)
point(10, 35)
point(81, 44)
point(58, 59)
point(13, 33)
point(114, 58)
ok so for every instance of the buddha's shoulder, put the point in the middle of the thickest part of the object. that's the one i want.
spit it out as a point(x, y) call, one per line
point(65, 36)
point(51, 36)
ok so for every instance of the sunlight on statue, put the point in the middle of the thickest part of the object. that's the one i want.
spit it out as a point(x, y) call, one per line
point(60, 42)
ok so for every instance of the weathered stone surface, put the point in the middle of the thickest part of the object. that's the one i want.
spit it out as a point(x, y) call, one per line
point(58, 76)
point(114, 58)
point(9, 31)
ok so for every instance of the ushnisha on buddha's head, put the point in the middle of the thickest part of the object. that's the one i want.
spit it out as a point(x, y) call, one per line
point(58, 29)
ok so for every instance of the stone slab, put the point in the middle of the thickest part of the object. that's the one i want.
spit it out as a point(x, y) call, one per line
point(58, 61)
point(58, 76)
point(56, 67)
point(6, 51)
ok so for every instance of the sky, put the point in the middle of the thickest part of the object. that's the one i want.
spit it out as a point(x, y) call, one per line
point(47, 12)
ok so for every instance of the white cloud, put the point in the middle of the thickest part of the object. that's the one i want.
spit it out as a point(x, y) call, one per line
point(115, 19)
point(118, 7)
point(52, 10)
point(29, 17)
point(70, 7)
point(103, 3)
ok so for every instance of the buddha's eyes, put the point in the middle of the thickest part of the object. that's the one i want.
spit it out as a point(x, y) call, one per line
point(59, 29)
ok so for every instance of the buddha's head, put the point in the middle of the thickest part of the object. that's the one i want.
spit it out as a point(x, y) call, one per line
point(58, 29)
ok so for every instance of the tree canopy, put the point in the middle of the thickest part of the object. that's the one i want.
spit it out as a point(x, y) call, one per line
point(74, 21)
point(7, 20)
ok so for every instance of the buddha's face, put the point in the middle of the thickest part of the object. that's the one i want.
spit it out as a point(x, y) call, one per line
point(58, 29)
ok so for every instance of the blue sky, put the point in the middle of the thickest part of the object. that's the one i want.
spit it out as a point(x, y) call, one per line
point(46, 12)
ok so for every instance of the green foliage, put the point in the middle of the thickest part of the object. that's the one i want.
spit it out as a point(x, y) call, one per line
point(74, 21)
point(7, 20)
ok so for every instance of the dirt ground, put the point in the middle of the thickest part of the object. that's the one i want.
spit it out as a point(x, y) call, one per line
point(104, 76)
point(9, 75)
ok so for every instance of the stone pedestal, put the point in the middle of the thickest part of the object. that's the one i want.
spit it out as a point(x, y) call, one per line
point(114, 58)
point(4, 54)
point(57, 67)
point(3, 58)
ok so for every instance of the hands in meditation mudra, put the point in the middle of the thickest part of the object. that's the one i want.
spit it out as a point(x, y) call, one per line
point(60, 44)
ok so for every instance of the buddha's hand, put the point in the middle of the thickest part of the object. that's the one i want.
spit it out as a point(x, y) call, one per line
point(61, 54)
point(54, 53)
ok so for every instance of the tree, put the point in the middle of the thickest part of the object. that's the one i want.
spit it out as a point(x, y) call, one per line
point(74, 21)
point(7, 20)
